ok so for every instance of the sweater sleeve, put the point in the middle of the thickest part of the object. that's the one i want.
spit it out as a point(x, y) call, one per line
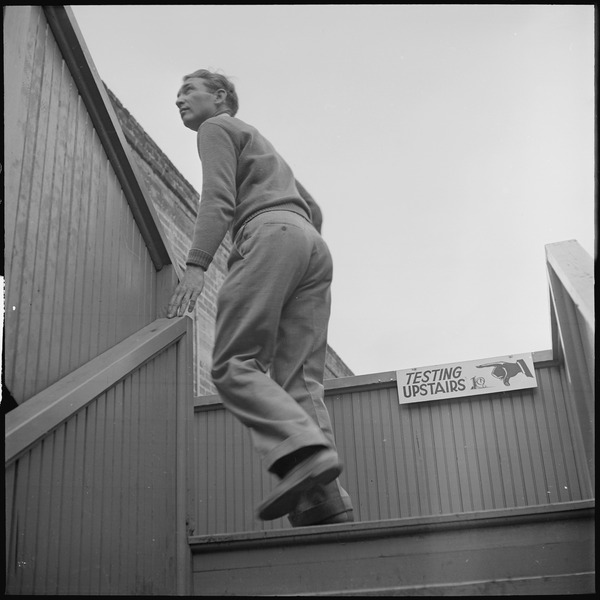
point(315, 212)
point(217, 201)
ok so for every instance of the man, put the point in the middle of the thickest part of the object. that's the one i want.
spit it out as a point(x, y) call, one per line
point(273, 307)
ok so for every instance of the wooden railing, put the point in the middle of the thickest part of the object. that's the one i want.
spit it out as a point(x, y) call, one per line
point(524, 448)
point(98, 473)
point(498, 451)
point(75, 54)
point(87, 260)
point(97, 454)
point(543, 550)
point(571, 281)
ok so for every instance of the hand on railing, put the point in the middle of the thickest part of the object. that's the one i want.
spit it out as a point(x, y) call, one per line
point(187, 292)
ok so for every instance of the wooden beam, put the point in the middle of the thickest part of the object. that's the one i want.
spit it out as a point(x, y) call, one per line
point(571, 282)
point(91, 88)
point(17, 23)
point(543, 358)
point(361, 531)
point(551, 585)
point(186, 461)
point(45, 411)
point(575, 270)
point(421, 554)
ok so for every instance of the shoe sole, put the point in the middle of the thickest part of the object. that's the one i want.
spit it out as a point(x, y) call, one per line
point(283, 499)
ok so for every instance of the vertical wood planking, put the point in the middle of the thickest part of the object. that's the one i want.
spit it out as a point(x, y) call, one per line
point(76, 229)
point(19, 34)
point(17, 269)
point(68, 274)
point(471, 454)
point(90, 283)
point(366, 451)
point(200, 478)
point(577, 468)
point(393, 495)
point(92, 505)
point(44, 512)
point(571, 279)
point(110, 504)
point(128, 482)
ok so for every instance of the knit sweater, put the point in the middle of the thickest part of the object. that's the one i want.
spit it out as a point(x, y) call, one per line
point(243, 175)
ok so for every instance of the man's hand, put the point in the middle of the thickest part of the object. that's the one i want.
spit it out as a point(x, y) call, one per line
point(187, 292)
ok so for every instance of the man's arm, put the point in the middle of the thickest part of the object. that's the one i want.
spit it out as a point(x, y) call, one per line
point(217, 205)
point(315, 212)
point(216, 210)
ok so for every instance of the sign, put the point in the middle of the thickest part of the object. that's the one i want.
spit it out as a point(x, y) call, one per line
point(472, 378)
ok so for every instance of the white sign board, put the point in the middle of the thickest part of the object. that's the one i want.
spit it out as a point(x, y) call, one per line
point(472, 378)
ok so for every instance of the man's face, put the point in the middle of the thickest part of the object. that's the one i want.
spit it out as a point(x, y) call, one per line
point(195, 103)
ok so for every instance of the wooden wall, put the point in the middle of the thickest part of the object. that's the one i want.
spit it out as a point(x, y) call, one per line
point(79, 275)
point(95, 505)
point(571, 282)
point(97, 456)
point(486, 452)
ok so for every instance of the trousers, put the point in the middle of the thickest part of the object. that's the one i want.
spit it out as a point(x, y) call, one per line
point(270, 345)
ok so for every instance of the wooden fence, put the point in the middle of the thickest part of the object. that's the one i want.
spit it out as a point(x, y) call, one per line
point(97, 473)
point(97, 452)
point(86, 260)
point(498, 451)
point(101, 487)
point(524, 448)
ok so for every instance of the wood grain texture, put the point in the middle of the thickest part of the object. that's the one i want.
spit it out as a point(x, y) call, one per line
point(80, 277)
point(423, 555)
point(515, 449)
point(93, 504)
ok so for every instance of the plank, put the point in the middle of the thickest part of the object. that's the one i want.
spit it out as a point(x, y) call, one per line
point(489, 545)
point(46, 410)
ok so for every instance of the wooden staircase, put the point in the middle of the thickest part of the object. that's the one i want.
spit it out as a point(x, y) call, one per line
point(119, 482)
point(533, 550)
point(486, 496)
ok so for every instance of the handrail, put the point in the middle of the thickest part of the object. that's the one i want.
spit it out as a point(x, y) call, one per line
point(354, 383)
point(35, 418)
point(356, 531)
point(575, 269)
point(571, 280)
point(93, 93)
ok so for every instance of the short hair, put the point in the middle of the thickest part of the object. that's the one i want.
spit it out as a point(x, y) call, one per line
point(216, 81)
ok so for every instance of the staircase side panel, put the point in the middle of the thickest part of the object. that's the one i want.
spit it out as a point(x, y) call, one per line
point(93, 506)
point(516, 449)
point(506, 450)
point(571, 279)
point(79, 277)
point(468, 557)
point(230, 479)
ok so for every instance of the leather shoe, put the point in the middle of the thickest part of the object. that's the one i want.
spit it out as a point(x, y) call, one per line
point(321, 468)
point(344, 517)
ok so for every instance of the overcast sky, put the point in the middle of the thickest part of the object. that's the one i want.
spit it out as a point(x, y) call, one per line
point(446, 145)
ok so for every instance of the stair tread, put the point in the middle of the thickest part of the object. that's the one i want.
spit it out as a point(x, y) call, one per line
point(568, 583)
point(399, 526)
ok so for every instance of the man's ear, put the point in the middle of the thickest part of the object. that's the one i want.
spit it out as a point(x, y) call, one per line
point(221, 95)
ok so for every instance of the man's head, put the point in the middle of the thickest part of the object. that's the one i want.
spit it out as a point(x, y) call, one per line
point(203, 95)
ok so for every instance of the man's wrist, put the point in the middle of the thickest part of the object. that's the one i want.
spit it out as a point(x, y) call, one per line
point(199, 258)
point(195, 266)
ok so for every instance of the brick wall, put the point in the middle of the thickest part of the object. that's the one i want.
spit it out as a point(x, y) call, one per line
point(176, 203)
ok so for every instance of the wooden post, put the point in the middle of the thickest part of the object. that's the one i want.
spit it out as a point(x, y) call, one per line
point(185, 460)
point(571, 280)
